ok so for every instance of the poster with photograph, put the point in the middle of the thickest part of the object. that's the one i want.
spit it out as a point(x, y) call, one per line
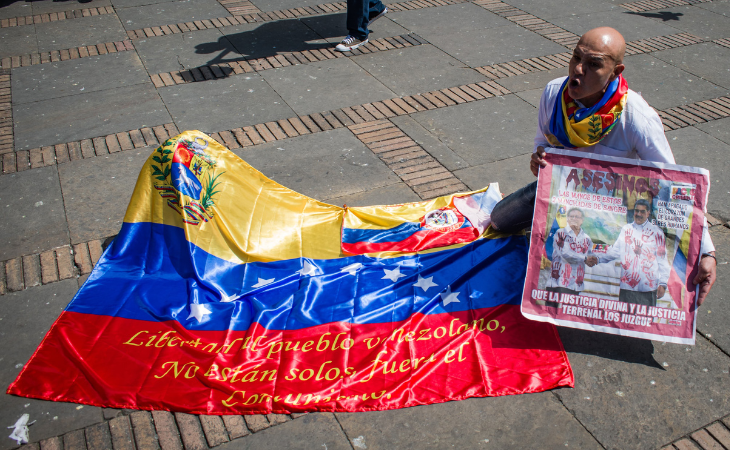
point(615, 245)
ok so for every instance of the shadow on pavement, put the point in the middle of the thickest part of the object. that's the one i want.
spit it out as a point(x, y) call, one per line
point(664, 15)
point(609, 346)
point(268, 39)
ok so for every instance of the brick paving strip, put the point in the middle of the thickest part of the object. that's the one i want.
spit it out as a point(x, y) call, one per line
point(558, 60)
point(258, 17)
point(648, 5)
point(12, 162)
point(530, 22)
point(694, 113)
point(6, 113)
point(12, 62)
point(715, 436)
point(164, 430)
point(223, 70)
point(419, 170)
point(55, 16)
point(723, 42)
point(276, 130)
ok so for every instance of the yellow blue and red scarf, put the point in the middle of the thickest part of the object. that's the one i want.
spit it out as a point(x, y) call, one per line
point(572, 126)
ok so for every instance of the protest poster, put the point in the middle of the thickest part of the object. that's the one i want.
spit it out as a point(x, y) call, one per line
point(615, 245)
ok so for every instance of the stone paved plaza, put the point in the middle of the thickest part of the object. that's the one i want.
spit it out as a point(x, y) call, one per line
point(443, 99)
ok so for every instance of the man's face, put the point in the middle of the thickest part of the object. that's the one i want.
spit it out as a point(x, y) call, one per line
point(575, 219)
point(640, 214)
point(590, 72)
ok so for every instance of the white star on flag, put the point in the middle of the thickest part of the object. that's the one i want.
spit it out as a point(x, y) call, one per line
point(352, 268)
point(199, 311)
point(392, 275)
point(449, 297)
point(225, 298)
point(308, 269)
point(425, 283)
point(263, 282)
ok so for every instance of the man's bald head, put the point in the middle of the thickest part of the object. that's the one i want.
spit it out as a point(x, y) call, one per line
point(605, 40)
point(597, 61)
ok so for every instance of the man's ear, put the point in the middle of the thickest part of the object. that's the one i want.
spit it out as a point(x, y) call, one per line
point(617, 70)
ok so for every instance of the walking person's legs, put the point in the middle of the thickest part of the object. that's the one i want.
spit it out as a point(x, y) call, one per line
point(360, 14)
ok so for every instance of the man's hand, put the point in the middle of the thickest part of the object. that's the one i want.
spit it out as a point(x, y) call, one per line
point(591, 260)
point(538, 160)
point(706, 277)
point(660, 291)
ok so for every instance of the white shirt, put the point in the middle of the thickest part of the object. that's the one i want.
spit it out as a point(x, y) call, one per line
point(639, 134)
point(642, 251)
point(569, 259)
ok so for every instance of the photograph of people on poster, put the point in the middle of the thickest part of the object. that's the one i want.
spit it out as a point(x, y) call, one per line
point(613, 244)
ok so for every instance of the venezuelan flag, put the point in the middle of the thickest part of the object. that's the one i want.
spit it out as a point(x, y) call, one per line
point(227, 293)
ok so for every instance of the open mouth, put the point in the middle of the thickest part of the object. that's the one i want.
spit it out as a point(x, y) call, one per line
point(573, 83)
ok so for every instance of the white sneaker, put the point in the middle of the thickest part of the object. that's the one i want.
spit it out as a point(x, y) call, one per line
point(350, 43)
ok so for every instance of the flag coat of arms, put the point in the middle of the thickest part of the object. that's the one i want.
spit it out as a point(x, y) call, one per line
point(227, 293)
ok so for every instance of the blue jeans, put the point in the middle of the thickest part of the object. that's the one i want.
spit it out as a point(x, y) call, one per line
point(514, 213)
point(358, 16)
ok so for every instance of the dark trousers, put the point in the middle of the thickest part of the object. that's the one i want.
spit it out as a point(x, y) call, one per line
point(559, 290)
point(358, 16)
point(639, 298)
point(514, 213)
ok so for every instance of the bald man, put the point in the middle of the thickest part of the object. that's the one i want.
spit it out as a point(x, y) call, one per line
point(594, 80)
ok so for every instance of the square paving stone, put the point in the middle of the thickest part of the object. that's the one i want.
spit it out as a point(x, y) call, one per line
point(312, 431)
point(417, 69)
point(64, 78)
point(714, 314)
point(430, 143)
point(323, 165)
point(49, 6)
point(185, 51)
point(719, 129)
point(16, 41)
point(663, 85)
point(393, 194)
point(722, 7)
point(532, 80)
point(255, 40)
point(631, 26)
point(333, 28)
point(83, 116)
point(709, 61)
point(224, 104)
point(560, 8)
point(511, 174)
point(26, 316)
point(33, 218)
point(474, 35)
point(528, 421)
point(448, 19)
point(77, 32)
point(700, 22)
point(484, 131)
point(12, 8)
point(131, 3)
point(325, 85)
point(638, 394)
point(170, 12)
point(532, 96)
point(96, 192)
point(693, 147)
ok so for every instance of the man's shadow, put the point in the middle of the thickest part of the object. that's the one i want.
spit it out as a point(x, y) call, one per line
point(272, 38)
point(664, 15)
point(609, 346)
